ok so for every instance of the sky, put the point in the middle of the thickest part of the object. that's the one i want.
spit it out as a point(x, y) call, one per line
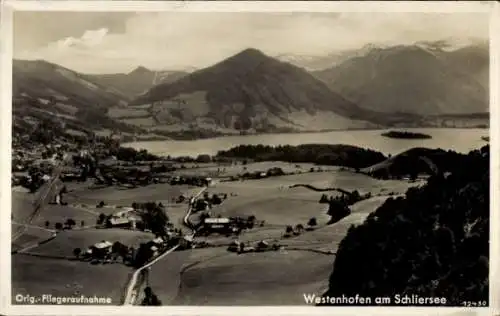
point(117, 42)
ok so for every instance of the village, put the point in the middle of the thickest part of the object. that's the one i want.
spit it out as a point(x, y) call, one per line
point(122, 207)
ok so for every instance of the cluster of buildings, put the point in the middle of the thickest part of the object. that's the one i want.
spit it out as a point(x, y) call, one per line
point(225, 225)
point(192, 180)
point(126, 218)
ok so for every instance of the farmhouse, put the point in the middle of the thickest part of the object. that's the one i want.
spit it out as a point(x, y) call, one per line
point(115, 221)
point(208, 181)
point(217, 224)
point(101, 249)
point(125, 218)
point(158, 241)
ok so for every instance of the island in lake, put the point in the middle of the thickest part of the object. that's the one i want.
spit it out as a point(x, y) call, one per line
point(406, 135)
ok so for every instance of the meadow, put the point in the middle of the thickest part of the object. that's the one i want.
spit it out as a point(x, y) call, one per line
point(37, 276)
point(214, 276)
point(63, 244)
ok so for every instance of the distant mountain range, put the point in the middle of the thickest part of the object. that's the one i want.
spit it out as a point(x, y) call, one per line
point(137, 81)
point(315, 63)
point(251, 92)
point(414, 79)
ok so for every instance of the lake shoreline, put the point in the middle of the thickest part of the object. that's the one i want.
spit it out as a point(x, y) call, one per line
point(461, 140)
point(223, 135)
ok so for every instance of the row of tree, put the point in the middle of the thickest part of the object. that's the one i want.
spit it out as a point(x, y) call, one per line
point(324, 154)
point(68, 224)
point(299, 228)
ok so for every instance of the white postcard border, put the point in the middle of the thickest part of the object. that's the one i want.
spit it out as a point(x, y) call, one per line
point(8, 7)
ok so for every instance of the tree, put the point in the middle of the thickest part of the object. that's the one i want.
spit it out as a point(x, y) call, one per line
point(70, 223)
point(216, 200)
point(150, 299)
point(77, 252)
point(312, 222)
point(289, 229)
point(101, 219)
point(82, 223)
point(338, 209)
point(413, 175)
point(143, 255)
point(323, 199)
point(59, 226)
point(47, 224)
point(203, 158)
point(155, 218)
point(299, 228)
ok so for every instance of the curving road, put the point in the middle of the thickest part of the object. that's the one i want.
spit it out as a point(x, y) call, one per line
point(133, 285)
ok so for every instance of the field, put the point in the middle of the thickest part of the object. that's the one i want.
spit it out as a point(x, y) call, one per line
point(223, 170)
point(140, 121)
point(327, 238)
point(206, 276)
point(49, 268)
point(129, 112)
point(63, 245)
point(22, 206)
point(271, 200)
point(270, 278)
point(37, 276)
point(125, 197)
point(27, 236)
point(165, 277)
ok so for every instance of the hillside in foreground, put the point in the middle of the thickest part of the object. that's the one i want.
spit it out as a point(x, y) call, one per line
point(434, 242)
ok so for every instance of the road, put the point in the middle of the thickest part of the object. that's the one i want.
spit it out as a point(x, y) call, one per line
point(131, 293)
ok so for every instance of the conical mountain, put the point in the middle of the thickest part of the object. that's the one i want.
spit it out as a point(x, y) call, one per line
point(252, 87)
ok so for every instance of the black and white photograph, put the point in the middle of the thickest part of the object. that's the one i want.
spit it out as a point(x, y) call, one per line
point(239, 158)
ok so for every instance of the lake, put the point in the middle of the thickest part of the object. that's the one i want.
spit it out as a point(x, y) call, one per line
point(460, 140)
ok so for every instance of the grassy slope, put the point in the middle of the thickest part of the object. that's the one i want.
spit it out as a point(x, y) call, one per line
point(212, 275)
point(65, 242)
point(38, 276)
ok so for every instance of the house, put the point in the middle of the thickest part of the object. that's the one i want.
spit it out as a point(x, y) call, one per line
point(217, 224)
point(154, 250)
point(158, 241)
point(208, 181)
point(101, 249)
point(116, 221)
point(217, 221)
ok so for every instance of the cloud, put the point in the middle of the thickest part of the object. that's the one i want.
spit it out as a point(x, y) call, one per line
point(173, 40)
point(88, 40)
